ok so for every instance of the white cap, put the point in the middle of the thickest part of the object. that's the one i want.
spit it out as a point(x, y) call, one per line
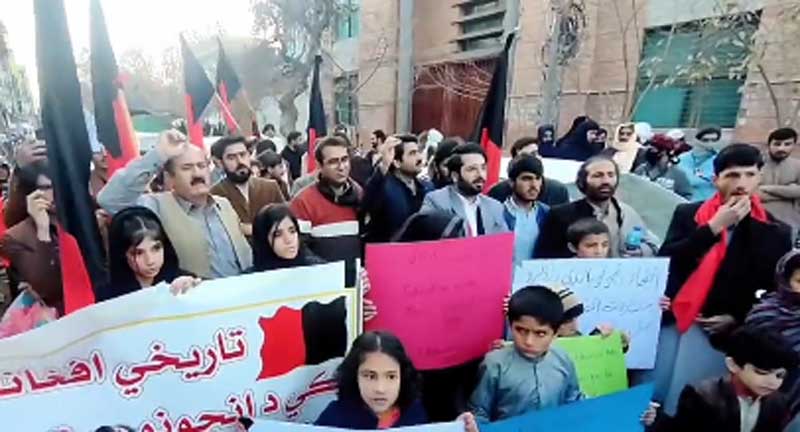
point(676, 134)
point(644, 131)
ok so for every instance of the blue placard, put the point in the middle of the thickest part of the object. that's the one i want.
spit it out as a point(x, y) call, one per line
point(619, 412)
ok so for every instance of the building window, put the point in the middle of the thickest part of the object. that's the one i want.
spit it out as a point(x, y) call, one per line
point(348, 23)
point(480, 24)
point(345, 100)
point(692, 75)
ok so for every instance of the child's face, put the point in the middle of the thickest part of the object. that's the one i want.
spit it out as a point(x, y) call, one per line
point(146, 258)
point(531, 337)
point(794, 281)
point(593, 246)
point(761, 382)
point(569, 328)
point(379, 382)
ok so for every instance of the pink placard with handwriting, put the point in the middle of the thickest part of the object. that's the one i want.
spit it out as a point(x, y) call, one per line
point(443, 299)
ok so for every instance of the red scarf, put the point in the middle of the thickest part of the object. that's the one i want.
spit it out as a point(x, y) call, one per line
point(692, 295)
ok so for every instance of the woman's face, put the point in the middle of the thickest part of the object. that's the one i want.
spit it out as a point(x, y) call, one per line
point(794, 281)
point(379, 382)
point(285, 240)
point(146, 258)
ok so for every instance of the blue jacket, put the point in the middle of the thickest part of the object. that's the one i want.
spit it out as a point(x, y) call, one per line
point(349, 415)
point(389, 203)
point(700, 174)
point(541, 209)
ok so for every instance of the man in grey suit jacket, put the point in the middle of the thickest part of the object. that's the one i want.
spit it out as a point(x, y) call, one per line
point(481, 214)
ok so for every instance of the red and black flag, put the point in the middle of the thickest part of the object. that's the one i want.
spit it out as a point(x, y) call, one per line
point(113, 120)
point(236, 109)
point(491, 122)
point(309, 336)
point(316, 116)
point(199, 92)
point(69, 154)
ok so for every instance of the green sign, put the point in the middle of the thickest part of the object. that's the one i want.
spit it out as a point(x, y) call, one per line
point(599, 361)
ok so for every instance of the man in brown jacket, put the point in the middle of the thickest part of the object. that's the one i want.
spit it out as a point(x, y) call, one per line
point(246, 193)
point(31, 245)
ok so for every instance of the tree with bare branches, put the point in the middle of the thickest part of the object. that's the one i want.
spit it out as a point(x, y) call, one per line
point(295, 28)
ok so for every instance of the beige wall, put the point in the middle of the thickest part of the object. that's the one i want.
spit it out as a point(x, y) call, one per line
point(434, 30)
point(781, 64)
point(377, 66)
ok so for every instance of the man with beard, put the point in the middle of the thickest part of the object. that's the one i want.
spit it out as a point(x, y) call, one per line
point(482, 215)
point(376, 140)
point(698, 164)
point(327, 211)
point(293, 154)
point(247, 193)
point(597, 180)
point(204, 229)
point(394, 192)
point(524, 212)
point(722, 252)
point(437, 168)
point(552, 192)
point(780, 183)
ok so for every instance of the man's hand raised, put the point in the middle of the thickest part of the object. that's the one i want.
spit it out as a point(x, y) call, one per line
point(171, 143)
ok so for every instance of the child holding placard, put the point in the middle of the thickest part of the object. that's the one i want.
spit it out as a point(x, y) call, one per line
point(531, 374)
point(573, 309)
point(378, 388)
point(589, 238)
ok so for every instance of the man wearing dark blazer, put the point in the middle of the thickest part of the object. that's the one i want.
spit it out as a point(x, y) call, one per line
point(722, 252)
point(247, 193)
point(481, 214)
point(754, 240)
point(597, 179)
point(394, 192)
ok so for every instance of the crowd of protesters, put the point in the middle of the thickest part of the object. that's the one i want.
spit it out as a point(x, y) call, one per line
point(179, 215)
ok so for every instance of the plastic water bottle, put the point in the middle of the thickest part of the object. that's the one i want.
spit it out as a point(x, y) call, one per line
point(797, 240)
point(633, 243)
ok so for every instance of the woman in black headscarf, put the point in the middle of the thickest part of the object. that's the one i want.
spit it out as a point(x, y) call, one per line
point(581, 144)
point(572, 129)
point(141, 255)
point(547, 140)
point(430, 226)
point(276, 241)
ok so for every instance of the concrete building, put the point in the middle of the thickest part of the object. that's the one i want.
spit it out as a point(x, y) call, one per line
point(649, 60)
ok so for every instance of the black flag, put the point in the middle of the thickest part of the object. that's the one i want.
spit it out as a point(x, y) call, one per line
point(69, 155)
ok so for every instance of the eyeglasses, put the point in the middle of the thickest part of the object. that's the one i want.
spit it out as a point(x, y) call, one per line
point(709, 140)
point(44, 188)
point(337, 162)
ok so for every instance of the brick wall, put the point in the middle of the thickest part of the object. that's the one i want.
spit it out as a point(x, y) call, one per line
point(595, 82)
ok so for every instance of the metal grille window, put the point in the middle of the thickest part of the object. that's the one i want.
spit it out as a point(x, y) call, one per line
point(348, 24)
point(480, 24)
point(345, 100)
point(692, 74)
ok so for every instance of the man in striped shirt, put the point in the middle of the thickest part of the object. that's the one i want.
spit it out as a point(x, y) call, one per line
point(328, 210)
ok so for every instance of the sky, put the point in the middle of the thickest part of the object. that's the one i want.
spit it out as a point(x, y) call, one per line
point(148, 25)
